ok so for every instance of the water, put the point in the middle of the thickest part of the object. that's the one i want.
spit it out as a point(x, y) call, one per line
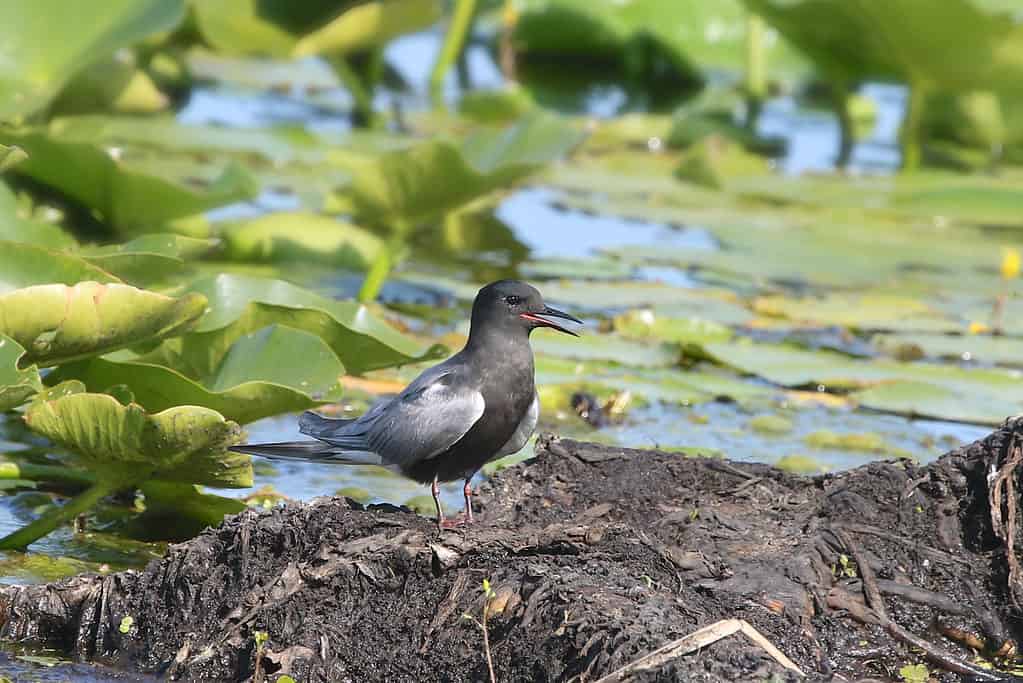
point(544, 231)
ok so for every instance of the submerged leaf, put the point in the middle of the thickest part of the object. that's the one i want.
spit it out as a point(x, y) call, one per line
point(57, 323)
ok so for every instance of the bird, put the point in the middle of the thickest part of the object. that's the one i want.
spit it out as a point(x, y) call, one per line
point(478, 405)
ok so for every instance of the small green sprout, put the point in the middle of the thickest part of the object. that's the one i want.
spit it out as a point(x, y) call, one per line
point(126, 624)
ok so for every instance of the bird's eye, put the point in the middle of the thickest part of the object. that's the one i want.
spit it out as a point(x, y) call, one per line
point(513, 300)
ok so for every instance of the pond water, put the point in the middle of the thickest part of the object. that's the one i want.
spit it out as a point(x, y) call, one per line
point(547, 236)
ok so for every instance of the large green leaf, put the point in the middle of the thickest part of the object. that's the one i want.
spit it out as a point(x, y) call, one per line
point(953, 44)
point(130, 445)
point(239, 305)
point(150, 258)
point(17, 384)
point(129, 195)
point(181, 511)
point(646, 37)
point(56, 323)
point(16, 225)
point(404, 188)
point(281, 28)
point(301, 237)
point(272, 371)
point(26, 265)
point(46, 42)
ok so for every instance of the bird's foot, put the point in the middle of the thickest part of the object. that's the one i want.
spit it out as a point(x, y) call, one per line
point(458, 521)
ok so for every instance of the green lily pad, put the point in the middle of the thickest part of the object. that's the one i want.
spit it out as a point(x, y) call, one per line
point(261, 74)
point(113, 84)
point(685, 38)
point(239, 305)
point(957, 45)
point(130, 196)
point(57, 323)
point(771, 424)
point(9, 156)
point(26, 265)
point(400, 188)
point(800, 464)
point(858, 311)
point(984, 396)
point(17, 384)
point(648, 324)
point(983, 348)
point(271, 371)
point(17, 226)
point(605, 347)
point(48, 42)
point(301, 237)
point(150, 258)
point(279, 28)
point(128, 444)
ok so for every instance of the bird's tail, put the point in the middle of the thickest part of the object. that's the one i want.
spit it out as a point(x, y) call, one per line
point(315, 451)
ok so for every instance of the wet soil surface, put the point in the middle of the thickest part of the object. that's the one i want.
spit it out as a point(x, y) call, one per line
point(596, 557)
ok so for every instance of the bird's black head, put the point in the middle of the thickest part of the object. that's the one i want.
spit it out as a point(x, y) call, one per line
point(510, 306)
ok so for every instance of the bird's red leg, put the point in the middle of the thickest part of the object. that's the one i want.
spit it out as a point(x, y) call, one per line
point(467, 491)
point(435, 490)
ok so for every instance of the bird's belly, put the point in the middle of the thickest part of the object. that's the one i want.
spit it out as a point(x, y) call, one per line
point(479, 445)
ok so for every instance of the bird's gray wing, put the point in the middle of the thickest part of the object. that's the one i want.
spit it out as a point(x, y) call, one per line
point(427, 418)
point(523, 431)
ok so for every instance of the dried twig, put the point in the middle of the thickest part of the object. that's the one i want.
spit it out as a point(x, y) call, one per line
point(1002, 494)
point(708, 635)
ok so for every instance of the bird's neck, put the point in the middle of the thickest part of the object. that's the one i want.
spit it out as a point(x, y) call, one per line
point(508, 349)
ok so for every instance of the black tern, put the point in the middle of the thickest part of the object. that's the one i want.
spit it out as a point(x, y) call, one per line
point(456, 416)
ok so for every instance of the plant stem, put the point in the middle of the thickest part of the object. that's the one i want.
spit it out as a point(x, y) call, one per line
point(840, 99)
point(756, 69)
point(64, 475)
point(909, 135)
point(454, 42)
point(381, 268)
point(362, 95)
point(507, 48)
point(65, 513)
point(486, 640)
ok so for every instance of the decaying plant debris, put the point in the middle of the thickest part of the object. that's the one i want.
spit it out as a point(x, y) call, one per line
point(602, 564)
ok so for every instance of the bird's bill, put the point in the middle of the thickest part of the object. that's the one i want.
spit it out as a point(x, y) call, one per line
point(540, 319)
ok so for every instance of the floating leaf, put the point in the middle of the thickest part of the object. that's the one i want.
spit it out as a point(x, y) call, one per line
point(150, 258)
point(400, 188)
point(26, 265)
point(47, 42)
point(647, 38)
point(239, 305)
point(181, 511)
point(858, 311)
point(124, 442)
point(274, 370)
point(17, 226)
point(280, 28)
point(9, 156)
point(975, 347)
point(301, 237)
point(57, 323)
point(130, 196)
point(17, 384)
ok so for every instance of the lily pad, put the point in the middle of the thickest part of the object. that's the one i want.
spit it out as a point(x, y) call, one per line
point(959, 45)
point(239, 305)
point(129, 196)
point(683, 38)
point(128, 444)
point(605, 347)
point(150, 258)
point(858, 311)
point(400, 188)
point(17, 226)
point(271, 371)
point(26, 265)
point(17, 383)
point(46, 43)
point(301, 237)
point(180, 511)
point(56, 323)
point(648, 324)
point(279, 28)
point(975, 347)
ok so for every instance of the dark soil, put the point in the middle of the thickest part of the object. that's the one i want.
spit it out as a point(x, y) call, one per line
point(597, 556)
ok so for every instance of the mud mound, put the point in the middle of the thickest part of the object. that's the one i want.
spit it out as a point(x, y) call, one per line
point(597, 557)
